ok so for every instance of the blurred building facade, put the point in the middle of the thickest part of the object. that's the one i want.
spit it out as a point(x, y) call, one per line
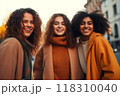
point(111, 10)
point(93, 5)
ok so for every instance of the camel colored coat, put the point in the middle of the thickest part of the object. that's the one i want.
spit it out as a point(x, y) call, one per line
point(43, 66)
point(10, 68)
point(101, 61)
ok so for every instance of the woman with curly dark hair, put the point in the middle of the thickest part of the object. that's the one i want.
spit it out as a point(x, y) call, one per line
point(58, 59)
point(95, 53)
point(23, 31)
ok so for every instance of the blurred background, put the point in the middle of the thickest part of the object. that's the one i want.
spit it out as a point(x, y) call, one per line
point(45, 8)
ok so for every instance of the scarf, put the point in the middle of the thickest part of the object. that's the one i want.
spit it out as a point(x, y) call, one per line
point(61, 63)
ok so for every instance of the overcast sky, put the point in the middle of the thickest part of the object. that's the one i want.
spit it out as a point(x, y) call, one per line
point(45, 8)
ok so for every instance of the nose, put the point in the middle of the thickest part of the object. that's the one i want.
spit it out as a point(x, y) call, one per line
point(86, 25)
point(28, 24)
point(60, 25)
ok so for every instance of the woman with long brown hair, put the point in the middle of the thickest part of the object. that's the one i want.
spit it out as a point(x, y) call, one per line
point(23, 31)
point(57, 59)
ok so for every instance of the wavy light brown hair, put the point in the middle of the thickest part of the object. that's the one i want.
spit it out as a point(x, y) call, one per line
point(49, 31)
point(13, 26)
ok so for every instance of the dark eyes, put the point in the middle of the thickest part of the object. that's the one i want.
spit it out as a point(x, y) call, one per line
point(26, 21)
point(82, 23)
point(89, 23)
point(57, 23)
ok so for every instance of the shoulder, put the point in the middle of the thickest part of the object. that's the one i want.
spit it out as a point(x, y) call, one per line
point(11, 40)
point(11, 43)
point(101, 43)
point(100, 40)
point(96, 37)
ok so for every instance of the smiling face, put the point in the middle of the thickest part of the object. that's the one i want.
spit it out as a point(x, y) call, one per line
point(27, 24)
point(59, 26)
point(86, 26)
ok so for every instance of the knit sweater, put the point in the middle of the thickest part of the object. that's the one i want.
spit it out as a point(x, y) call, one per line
point(82, 51)
point(61, 63)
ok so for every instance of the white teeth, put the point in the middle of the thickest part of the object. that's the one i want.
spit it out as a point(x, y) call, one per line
point(59, 30)
point(86, 30)
point(27, 29)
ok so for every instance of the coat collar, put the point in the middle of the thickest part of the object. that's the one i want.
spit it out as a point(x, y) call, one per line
point(91, 41)
point(48, 69)
point(93, 36)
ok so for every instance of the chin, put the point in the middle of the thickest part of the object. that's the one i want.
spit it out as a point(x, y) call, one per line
point(27, 35)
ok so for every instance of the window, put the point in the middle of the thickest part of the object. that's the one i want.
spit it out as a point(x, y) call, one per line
point(117, 44)
point(105, 2)
point(115, 9)
point(108, 36)
point(106, 14)
point(116, 30)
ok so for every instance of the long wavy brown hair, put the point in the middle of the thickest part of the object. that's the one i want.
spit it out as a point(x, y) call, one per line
point(49, 31)
point(13, 27)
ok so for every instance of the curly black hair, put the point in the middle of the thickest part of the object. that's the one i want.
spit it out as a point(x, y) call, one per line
point(100, 23)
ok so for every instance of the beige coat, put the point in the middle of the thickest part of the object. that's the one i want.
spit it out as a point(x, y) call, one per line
point(10, 68)
point(43, 66)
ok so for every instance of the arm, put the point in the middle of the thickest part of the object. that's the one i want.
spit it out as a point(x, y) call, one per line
point(11, 59)
point(38, 65)
point(107, 60)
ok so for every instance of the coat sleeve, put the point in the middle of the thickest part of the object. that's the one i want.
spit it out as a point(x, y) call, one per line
point(38, 65)
point(107, 60)
point(11, 59)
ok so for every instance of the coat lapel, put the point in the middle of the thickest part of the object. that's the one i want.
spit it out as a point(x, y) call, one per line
point(76, 70)
point(48, 69)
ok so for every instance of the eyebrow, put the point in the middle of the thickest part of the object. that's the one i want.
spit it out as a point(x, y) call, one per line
point(58, 21)
point(87, 21)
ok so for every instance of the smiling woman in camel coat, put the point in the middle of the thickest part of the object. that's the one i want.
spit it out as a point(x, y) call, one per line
point(43, 65)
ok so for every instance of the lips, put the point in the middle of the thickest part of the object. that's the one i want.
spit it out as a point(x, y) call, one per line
point(59, 30)
point(86, 30)
point(28, 29)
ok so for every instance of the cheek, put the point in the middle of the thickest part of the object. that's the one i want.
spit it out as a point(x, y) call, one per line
point(92, 27)
point(54, 27)
point(81, 28)
point(33, 26)
point(21, 25)
point(65, 28)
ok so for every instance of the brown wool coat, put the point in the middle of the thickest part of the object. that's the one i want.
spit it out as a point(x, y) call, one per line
point(101, 61)
point(43, 66)
point(10, 68)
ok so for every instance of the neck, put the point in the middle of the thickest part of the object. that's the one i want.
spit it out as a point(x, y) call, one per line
point(85, 38)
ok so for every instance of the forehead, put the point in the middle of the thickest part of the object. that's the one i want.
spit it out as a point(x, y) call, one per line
point(27, 15)
point(59, 19)
point(87, 19)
